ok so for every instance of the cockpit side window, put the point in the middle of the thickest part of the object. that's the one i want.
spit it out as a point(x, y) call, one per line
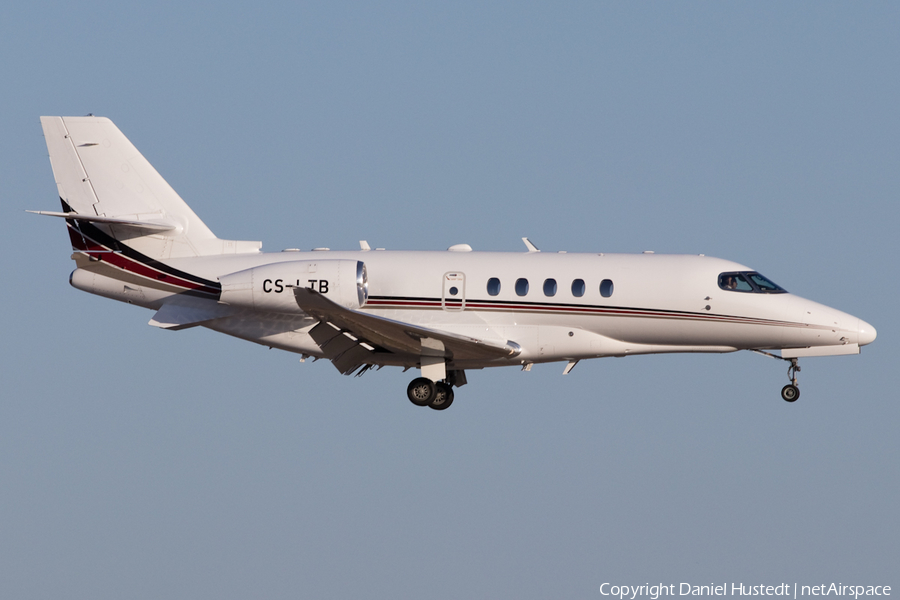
point(748, 281)
point(734, 282)
point(765, 285)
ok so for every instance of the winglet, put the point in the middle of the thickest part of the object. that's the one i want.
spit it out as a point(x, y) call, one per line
point(531, 247)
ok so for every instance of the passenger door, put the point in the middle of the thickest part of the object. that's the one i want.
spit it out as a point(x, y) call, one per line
point(453, 296)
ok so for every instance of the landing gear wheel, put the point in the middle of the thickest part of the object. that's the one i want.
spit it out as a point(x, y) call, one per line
point(443, 396)
point(790, 393)
point(421, 391)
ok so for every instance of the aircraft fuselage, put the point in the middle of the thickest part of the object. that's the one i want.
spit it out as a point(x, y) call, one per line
point(657, 303)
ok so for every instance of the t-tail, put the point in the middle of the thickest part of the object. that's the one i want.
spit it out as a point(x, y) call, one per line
point(120, 212)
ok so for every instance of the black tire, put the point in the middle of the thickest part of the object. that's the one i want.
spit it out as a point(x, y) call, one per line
point(790, 393)
point(443, 396)
point(420, 391)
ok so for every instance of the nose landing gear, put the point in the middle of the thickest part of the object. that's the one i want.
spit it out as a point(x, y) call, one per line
point(791, 392)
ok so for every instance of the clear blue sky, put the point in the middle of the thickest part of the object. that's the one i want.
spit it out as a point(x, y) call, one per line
point(138, 463)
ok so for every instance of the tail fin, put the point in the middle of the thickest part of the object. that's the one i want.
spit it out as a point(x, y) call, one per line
point(102, 176)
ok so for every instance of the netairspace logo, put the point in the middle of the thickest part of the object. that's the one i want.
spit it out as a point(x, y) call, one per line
point(654, 592)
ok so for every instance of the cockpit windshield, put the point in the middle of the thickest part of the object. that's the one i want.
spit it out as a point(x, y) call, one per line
point(750, 282)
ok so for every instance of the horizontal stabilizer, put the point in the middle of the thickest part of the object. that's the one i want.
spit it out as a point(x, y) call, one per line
point(185, 312)
point(151, 226)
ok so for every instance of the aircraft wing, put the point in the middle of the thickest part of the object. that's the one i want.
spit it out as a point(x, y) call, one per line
point(351, 339)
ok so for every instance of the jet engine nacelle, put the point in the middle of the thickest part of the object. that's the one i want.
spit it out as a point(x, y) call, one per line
point(269, 287)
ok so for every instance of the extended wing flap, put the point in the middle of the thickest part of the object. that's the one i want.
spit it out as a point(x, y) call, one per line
point(341, 348)
point(343, 335)
point(352, 359)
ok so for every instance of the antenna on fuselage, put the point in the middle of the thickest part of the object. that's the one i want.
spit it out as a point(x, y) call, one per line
point(531, 247)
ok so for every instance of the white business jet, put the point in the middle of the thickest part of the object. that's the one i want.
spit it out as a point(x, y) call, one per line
point(137, 241)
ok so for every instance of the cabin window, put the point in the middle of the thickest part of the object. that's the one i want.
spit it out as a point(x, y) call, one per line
point(549, 287)
point(578, 288)
point(606, 288)
point(453, 291)
point(493, 286)
point(748, 282)
point(521, 287)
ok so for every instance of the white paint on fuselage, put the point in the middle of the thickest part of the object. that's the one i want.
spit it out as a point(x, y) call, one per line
point(659, 302)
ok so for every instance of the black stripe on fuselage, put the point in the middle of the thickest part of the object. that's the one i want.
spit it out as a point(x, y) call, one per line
point(92, 232)
point(409, 302)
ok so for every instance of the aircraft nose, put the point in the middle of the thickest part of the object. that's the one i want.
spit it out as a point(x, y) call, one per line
point(867, 333)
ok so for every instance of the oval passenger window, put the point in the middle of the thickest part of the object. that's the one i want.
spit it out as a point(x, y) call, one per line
point(606, 288)
point(493, 286)
point(549, 287)
point(521, 287)
point(578, 288)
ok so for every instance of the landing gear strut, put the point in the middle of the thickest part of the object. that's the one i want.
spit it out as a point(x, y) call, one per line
point(791, 392)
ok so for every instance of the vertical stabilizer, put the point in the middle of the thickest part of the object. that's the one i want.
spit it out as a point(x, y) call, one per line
point(99, 173)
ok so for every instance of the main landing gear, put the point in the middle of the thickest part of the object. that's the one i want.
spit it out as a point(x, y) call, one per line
point(424, 392)
point(791, 392)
